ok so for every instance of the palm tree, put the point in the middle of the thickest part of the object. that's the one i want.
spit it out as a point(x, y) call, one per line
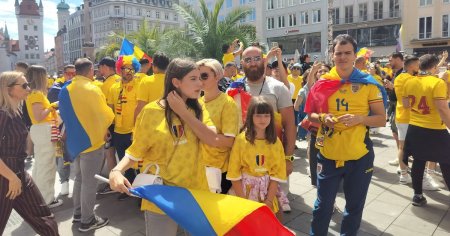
point(206, 34)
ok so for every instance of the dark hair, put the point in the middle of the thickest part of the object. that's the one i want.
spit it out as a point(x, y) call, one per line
point(409, 60)
point(83, 66)
point(428, 61)
point(161, 60)
point(275, 64)
point(178, 68)
point(144, 61)
point(37, 78)
point(108, 61)
point(303, 58)
point(258, 105)
point(22, 64)
point(69, 66)
point(230, 64)
point(225, 48)
point(344, 39)
point(305, 76)
point(397, 55)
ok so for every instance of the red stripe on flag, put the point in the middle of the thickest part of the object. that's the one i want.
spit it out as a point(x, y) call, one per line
point(260, 222)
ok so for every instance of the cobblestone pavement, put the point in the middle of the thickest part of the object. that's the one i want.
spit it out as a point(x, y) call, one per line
point(388, 208)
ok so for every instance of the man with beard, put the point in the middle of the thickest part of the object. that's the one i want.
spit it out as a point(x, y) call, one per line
point(277, 94)
point(122, 98)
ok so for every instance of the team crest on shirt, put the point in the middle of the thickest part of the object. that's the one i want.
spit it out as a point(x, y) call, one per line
point(178, 131)
point(355, 87)
point(260, 159)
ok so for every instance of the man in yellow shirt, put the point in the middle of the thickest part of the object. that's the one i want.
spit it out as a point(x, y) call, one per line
point(297, 80)
point(152, 88)
point(360, 64)
point(145, 67)
point(427, 138)
point(228, 51)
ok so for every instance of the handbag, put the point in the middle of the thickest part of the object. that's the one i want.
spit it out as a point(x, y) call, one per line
point(148, 179)
point(310, 126)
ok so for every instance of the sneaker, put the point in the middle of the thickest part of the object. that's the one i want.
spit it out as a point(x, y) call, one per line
point(55, 203)
point(286, 208)
point(393, 162)
point(419, 201)
point(405, 178)
point(105, 190)
point(123, 196)
point(428, 183)
point(65, 188)
point(399, 171)
point(96, 223)
point(76, 218)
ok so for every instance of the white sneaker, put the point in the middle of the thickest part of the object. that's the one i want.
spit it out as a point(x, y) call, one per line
point(286, 208)
point(64, 188)
point(393, 162)
point(428, 183)
point(405, 179)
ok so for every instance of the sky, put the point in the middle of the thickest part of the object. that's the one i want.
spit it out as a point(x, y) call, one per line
point(8, 16)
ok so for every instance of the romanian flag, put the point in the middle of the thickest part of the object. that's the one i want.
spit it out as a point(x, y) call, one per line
point(204, 213)
point(86, 116)
point(364, 52)
point(128, 48)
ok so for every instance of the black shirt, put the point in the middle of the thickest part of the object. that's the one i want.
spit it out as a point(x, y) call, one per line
point(13, 135)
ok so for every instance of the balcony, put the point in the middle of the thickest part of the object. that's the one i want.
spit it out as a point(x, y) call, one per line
point(382, 16)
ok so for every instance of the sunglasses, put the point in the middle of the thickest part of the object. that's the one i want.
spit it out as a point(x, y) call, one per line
point(295, 68)
point(127, 70)
point(250, 59)
point(24, 85)
point(204, 76)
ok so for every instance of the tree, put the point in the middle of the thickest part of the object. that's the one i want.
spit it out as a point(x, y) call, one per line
point(206, 33)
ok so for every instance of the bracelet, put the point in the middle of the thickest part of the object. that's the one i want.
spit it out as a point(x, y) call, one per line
point(289, 158)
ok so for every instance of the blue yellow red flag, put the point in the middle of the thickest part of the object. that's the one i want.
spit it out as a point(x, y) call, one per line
point(128, 48)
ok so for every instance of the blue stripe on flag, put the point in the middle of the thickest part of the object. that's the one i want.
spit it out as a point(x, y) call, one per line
point(127, 48)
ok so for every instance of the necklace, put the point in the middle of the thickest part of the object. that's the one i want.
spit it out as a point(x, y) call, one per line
point(262, 86)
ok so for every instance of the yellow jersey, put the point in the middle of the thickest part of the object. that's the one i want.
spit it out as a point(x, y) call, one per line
point(297, 83)
point(401, 114)
point(38, 97)
point(227, 57)
point(347, 143)
point(50, 82)
point(422, 91)
point(151, 88)
point(109, 81)
point(176, 154)
point(223, 112)
point(257, 159)
point(123, 98)
point(97, 83)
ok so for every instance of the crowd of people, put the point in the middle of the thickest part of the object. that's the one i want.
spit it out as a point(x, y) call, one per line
point(188, 120)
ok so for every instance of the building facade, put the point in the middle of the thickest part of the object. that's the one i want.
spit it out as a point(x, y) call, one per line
point(426, 26)
point(75, 34)
point(8, 50)
point(61, 52)
point(30, 18)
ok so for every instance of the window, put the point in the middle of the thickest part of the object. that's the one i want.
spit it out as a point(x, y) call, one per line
point(166, 16)
point(316, 16)
point(281, 22)
point(445, 26)
point(252, 16)
point(302, 1)
point(242, 2)
point(129, 25)
point(157, 15)
point(280, 3)
point(139, 11)
point(26, 56)
point(394, 8)
point(348, 14)
point(291, 3)
point(175, 17)
point(26, 47)
point(116, 24)
point(26, 37)
point(37, 49)
point(35, 28)
point(270, 23)
point(335, 15)
point(446, 1)
point(149, 13)
point(425, 27)
point(363, 11)
point(303, 18)
point(25, 27)
point(378, 10)
point(426, 2)
point(117, 10)
point(292, 20)
point(229, 3)
point(270, 4)
point(315, 0)
point(129, 11)
point(31, 55)
point(37, 56)
point(138, 26)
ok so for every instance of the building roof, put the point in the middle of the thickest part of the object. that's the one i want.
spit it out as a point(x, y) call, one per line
point(63, 5)
point(14, 45)
point(29, 8)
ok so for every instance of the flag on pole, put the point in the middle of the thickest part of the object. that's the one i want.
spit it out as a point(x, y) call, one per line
point(400, 38)
point(296, 55)
point(205, 213)
point(303, 51)
point(128, 48)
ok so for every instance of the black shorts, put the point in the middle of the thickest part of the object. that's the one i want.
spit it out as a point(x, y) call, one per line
point(111, 131)
point(428, 144)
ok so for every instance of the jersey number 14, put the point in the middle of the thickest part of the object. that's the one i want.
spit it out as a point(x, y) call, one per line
point(341, 102)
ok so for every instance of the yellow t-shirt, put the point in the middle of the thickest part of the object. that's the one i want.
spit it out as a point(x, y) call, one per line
point(50, 82)
point(60, 80)
point(139, 76)
point(237, 76)
point(257, 159)
point(224, 115)
point(98, 83)
point(422, 91)
point(297, 83)
point(401, 114)
point(227, 57)
point(347, 143)
point(38, 97)
point(177, 155)
point(123, 98)
point(109, 81)
point(151, 88)
point(378, 79)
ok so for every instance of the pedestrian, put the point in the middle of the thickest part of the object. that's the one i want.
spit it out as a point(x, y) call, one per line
point(258, 179)
point(17, 188)
point(341, 102)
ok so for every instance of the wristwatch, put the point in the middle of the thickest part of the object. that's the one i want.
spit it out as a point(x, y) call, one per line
point(289, 158)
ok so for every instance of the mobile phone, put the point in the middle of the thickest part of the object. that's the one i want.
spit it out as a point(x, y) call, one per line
point(274, 44)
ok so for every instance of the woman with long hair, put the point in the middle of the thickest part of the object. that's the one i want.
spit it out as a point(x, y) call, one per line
point(17, 189)
point(43, 116)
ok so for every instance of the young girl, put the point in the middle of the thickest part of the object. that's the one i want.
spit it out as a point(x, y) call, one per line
point(257, 162)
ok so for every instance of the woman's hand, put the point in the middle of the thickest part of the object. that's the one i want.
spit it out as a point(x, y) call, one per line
point(118, 182)
point(14, 188)
point(350, 120)
point(176, 103)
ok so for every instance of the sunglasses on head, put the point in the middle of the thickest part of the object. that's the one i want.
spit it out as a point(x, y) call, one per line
point(24, 85)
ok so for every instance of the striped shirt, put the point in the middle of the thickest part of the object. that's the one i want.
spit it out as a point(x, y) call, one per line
point(13, 135)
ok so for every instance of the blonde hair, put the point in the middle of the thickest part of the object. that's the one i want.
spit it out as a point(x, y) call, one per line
point(214, 65)
point(37, 78)
point(7, 80)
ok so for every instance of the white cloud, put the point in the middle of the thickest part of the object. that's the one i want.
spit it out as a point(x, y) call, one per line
point(8, 16)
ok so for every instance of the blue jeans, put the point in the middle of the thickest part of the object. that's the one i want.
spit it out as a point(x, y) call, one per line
point(356, 176)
